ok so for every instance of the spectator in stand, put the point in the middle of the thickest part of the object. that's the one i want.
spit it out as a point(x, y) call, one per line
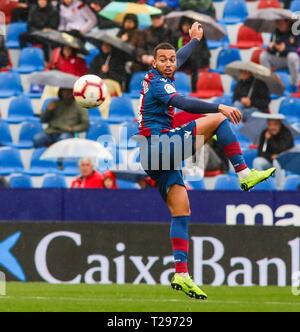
point(5, 63)
point(274, 140)
point(165, 5)
point(66, 60)
point(64, 118)
point(76, 17)
point(201, 6)
point(110, 66)
point(157, 33)
point(42, 16)
point(282, 51)
point(146, 183)
point(97, 6)
point(251, 95)
point(89, 178)
point(200, 56)
point(20, 13)
point(110, 180)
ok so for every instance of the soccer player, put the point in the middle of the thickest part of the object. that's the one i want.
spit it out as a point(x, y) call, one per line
point(158, 101)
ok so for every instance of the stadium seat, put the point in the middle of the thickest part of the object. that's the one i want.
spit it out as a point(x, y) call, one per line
point(35, 91)
point(263, 4)
point(5, 135)
point(54, 181)
point(94, 114)
point(225, 57)
point(209, 85)
point(290, 107)
point(93, 52)
point(20, 109)
point(28, 130)
point(120, 110)
point(10, 161)
point(128, 129)
point(10, 85)
point(266, 185)
point(40, 167)
point(98, 128)
point(183, 83)
point(31, 60)
point(224, 42)
point(14, 31)
point(286, 80)
point(255, 56)
point(70, 167)
point(248, 38)
point(226, 100)
point(20, 181)
point(197, 185)
point(123, 184)
point(135, 84)
point(295, 6)
point(227, 182)
point(235, 11)
point(249, 156)
point(292, 182)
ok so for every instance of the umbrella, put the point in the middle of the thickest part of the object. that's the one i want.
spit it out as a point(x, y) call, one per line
point(258, 122)
point(57, 38)
point(54, 78)
point(290, 160)
point(76, 148)
point(212, 29)
point(98, 35)
point(2, 24)
point(264, 20)
point(260, 72)
point(116, 11)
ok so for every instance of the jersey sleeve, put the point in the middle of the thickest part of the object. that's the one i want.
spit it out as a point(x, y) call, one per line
point(163, 91)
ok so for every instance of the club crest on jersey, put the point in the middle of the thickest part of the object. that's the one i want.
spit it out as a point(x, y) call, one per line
point(170, 89)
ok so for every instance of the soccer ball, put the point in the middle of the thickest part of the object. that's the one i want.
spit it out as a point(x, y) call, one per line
point(90, 91)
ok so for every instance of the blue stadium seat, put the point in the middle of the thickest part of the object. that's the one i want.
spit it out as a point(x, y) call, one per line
point(93, 53)
point(290, 107)
point(292, 182)
point(224, 42)
point(120, 110)
point(20, 109)
point(27, 132)
point(98, 128)
point(266, 185)
point(235, 11)
point(5, 135)
point(295, 6)
point(227, 182)
point(13, 33)
point(250, 155)
point(128, 129)
point(286, 80)
point(197, 185)
point(31, 60)
point(135, 85)
point(10, 85)
point(183, 83)
point(226, 100)
point(40, 167)
point(54, 181)
point(35, 91)
point(94, 114)
point(70, 167)
point(46, 102)
point(10, 161)
point(227, 56)
point(20, 181)
point(123, 184)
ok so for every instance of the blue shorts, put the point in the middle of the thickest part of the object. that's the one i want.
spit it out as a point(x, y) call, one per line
point(165, 178)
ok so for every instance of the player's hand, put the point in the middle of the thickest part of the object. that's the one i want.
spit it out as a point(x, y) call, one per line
point(232, 113)
point(196, 31)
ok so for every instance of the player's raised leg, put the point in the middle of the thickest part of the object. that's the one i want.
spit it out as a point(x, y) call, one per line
point(178, 203)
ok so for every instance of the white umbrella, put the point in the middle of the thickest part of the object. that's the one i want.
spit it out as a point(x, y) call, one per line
point(77, 148)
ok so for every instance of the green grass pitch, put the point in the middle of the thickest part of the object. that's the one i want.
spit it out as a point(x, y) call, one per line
point(136, 298)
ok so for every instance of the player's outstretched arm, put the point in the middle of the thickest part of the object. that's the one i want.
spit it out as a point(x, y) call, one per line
point(196, 34)
point(193, 105)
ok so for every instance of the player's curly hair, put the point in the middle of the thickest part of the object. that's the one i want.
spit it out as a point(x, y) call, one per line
point(163, 46)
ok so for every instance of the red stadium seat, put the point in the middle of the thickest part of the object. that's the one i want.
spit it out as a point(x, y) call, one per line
point(209, 85)
point(256, 54)
point(7, 6)
point(248, 38)
point(263, 4)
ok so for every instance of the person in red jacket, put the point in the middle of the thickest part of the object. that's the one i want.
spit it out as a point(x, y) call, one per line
point(66, 60)
point(89, 178)
point(110, 180)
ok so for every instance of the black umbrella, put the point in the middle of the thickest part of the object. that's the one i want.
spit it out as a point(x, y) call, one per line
point(97, 36)
point(54, 78)
point(212, 30)
point(57, 38)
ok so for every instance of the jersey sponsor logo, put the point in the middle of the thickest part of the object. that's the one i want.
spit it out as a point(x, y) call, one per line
point(164, 80)
point(170, 89)
point(187, 134)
